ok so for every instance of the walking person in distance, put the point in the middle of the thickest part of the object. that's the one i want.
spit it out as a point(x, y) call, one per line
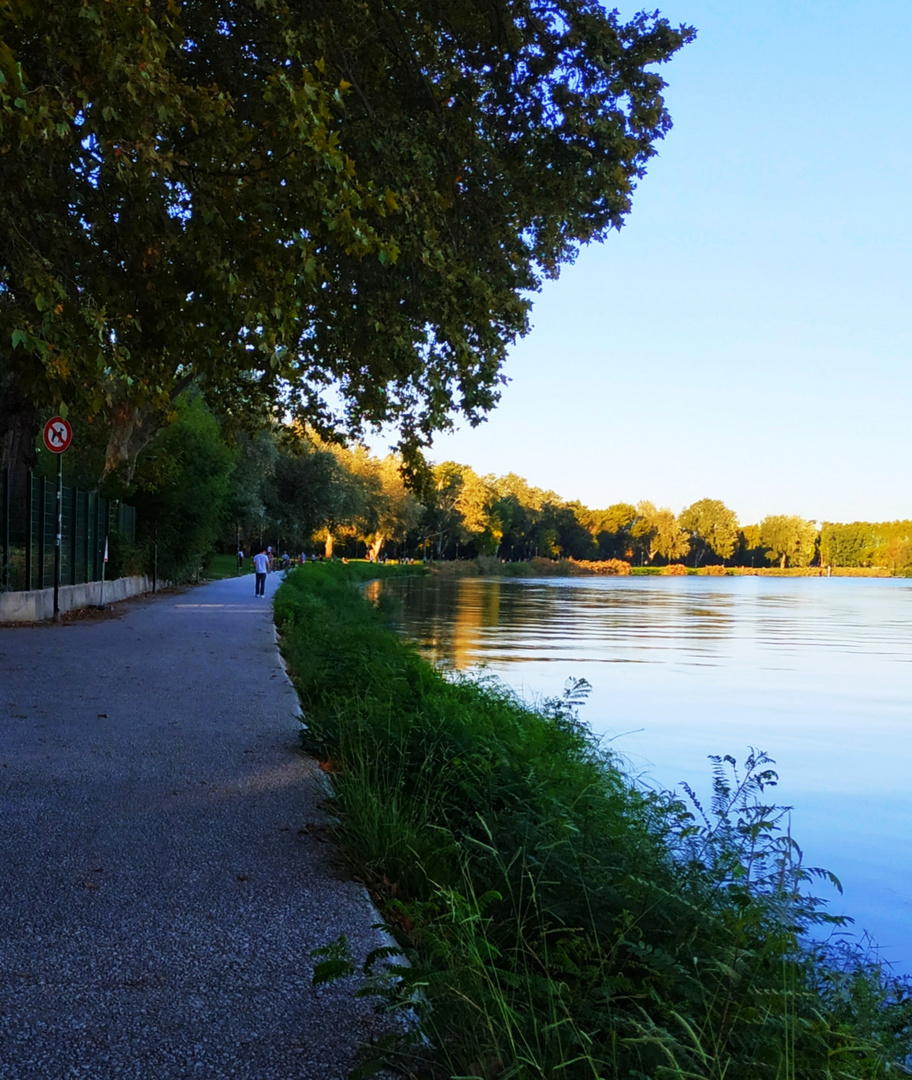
point(261, 568)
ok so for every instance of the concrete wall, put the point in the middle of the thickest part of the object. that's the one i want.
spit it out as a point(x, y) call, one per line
point(37, 605)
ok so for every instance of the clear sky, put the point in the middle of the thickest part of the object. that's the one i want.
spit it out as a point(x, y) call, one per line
point(748, 335)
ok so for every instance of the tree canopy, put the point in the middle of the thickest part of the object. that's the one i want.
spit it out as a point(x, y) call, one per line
point(790, 540)
point(657, 532)
point(712, 527)
point(336, 210)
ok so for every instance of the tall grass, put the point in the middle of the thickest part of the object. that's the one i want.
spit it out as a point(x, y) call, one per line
point(560, 921)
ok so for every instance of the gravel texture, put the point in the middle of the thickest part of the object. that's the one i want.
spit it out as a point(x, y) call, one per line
point(165, 869)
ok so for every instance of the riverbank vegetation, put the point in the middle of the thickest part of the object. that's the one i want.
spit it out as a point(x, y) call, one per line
point(202, 487)
point(559, 920)
point(486, 566)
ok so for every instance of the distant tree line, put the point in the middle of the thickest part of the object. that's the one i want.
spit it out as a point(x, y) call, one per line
point(201, 485)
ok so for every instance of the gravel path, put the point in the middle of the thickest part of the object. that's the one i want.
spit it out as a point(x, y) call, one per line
point(164, 870)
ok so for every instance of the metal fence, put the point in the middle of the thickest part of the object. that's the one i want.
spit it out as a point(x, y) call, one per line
point(28, 531)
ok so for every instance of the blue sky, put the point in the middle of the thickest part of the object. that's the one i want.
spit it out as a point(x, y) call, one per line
point(747, 335)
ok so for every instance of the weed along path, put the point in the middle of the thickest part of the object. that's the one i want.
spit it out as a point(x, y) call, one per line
point(163, 870)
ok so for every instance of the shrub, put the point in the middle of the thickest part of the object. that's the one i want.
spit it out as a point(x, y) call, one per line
point(125, 558)
point(489, 565)
point(674, 570)
point(610, 567)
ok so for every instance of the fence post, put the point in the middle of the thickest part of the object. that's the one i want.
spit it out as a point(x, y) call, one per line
point(85, 545)
point(29, 526)
point(4, 569)
point(73, 542)
point(42, 525)
point(96, 570)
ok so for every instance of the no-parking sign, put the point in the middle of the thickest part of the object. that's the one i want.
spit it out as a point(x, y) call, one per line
point(58, 434)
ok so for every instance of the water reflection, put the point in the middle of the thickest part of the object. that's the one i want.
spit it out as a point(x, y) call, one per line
point(812, 670)
point(372, 591)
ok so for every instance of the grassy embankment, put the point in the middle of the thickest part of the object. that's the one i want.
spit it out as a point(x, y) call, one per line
point(560, 921)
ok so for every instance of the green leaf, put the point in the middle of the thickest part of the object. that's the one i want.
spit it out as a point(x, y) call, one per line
point(330, 970)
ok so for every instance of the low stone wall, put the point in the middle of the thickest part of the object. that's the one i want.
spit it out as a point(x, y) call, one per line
point(38, 605)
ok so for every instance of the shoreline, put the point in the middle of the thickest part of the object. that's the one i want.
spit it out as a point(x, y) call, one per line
point(489, 566)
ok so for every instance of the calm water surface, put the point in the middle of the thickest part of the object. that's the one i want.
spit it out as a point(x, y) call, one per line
point(816, 671)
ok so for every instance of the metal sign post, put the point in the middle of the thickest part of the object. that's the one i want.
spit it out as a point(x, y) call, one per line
point(58, 538)
point(58, 434)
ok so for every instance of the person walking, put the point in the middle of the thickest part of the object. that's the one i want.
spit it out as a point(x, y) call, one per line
point(261, 568)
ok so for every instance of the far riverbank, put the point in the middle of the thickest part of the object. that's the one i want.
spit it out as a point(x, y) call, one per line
point(490, 566)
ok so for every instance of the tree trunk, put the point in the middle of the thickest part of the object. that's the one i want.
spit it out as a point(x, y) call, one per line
point(328, 545)
point(373, 549)
point(132, 429)
point(20, 422)
point(782, 562)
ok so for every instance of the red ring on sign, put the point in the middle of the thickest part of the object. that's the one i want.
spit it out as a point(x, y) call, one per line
point(58, 434)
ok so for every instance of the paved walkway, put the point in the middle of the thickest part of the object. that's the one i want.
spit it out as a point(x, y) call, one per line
point(164, 871)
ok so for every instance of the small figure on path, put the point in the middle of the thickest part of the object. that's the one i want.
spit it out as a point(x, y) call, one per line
point(261, 567)
point(240, 558)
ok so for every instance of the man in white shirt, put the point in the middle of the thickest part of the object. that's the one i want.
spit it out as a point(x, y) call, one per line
point(261, 568)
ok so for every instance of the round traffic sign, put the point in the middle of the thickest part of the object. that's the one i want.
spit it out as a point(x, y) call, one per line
point(58, 434)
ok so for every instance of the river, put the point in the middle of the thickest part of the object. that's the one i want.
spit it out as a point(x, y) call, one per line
point(815, 671)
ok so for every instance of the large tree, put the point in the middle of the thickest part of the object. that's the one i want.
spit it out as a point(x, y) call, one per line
point(161, 224)
point(397, 510)
point(441, 519)
point(183, 490)
point(611, 530)
point(790, 540)
point(666, 538)
point(712, 527)
point(655, 532)
point(337, 209)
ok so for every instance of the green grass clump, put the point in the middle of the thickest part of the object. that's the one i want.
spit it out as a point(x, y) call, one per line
point(560, 921)
point(224, 566)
